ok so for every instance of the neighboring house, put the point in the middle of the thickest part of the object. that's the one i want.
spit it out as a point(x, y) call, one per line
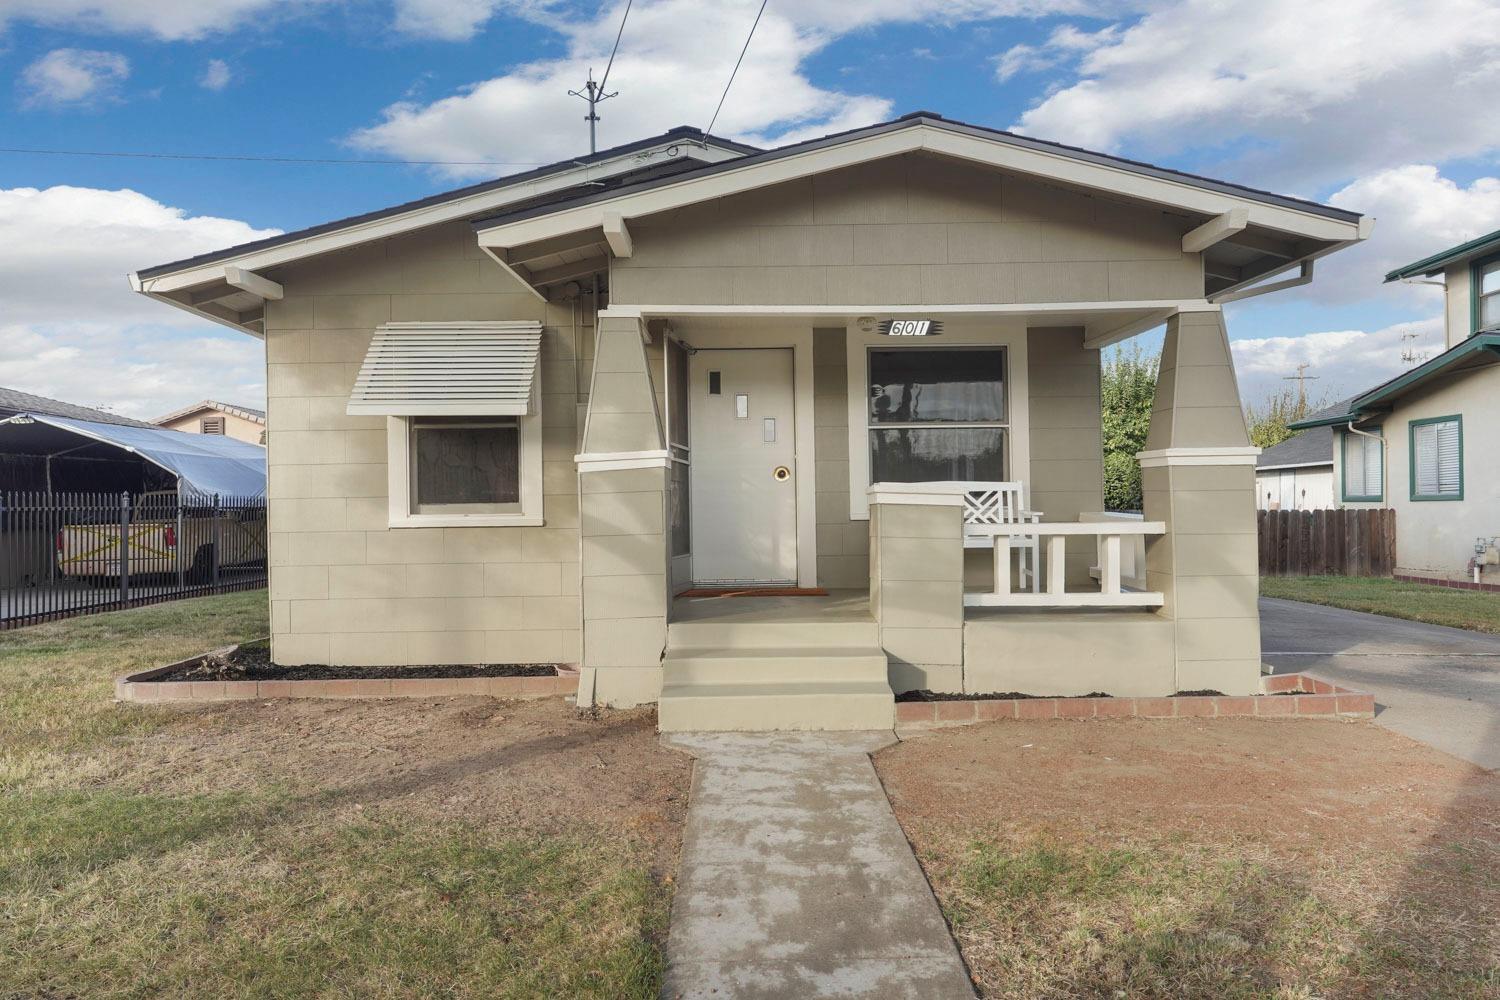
point(213, 417)
point(1423, 443)
point(511, 423)
point(1296, 474)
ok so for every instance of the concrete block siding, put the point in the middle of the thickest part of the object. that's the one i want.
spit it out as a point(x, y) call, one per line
point(344, 587)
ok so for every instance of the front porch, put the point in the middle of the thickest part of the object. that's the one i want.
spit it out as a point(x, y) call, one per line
point(755, 484)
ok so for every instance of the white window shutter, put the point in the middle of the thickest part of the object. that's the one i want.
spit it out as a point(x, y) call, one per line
point(449, 369)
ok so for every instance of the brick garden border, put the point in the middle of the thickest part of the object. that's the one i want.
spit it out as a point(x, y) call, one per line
point(1284, 696)
point(1488, 588)
point(140, 686)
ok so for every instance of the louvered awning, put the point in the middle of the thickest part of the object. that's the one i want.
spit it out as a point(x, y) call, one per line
point(449, 369)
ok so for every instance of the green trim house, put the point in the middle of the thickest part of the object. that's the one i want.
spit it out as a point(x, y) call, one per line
point(1417, 443)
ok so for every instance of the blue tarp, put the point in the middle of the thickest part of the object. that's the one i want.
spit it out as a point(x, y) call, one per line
point(204, 464)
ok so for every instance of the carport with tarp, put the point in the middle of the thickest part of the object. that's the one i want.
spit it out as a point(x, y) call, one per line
point(84, 456)
point(99, 515)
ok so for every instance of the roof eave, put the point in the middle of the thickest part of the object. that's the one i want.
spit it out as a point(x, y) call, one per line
point(1384, 393)
point(1428, 266)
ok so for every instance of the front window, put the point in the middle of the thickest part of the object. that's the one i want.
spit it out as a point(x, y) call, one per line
point(463, 466)
point(937, 414)
point(1437, 461)
point(1363, 466)
point(1487, 296)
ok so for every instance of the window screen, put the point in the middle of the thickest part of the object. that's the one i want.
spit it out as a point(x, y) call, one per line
point(1437, 462)
point(937, 414)
point(1362, 467)
point(463, 461)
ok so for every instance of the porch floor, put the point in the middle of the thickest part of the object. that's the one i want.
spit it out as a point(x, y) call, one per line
point(839, 607)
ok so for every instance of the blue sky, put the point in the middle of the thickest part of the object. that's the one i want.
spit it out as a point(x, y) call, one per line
point(1382, 106)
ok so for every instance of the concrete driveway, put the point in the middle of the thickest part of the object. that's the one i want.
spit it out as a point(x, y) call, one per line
point(1435, 684)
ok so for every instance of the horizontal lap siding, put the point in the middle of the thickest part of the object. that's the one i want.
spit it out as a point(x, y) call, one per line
point(344, 587)
point(1067, 464)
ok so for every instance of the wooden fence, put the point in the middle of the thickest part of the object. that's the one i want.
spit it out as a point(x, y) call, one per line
point(1316, 542)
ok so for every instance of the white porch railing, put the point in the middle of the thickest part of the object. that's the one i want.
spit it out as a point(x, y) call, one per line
point(1054, 537)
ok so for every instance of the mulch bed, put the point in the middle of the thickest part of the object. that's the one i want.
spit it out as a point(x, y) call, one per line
point(252, 662)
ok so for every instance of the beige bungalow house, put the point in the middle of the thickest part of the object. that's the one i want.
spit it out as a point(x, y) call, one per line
point(1423, 443)
point(529, 420)
point(209, 416)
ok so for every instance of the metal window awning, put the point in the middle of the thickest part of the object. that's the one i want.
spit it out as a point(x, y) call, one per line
point(465, 369)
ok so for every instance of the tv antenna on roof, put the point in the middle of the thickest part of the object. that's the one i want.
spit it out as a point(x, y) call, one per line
point(594, 92)
point(1410, 355)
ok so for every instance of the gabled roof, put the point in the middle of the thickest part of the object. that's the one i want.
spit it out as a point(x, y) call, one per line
point(1310, 448)
point(1336, 414)
point(1438, 261)
point(681, 134)
point(244, 412)
point(1479, 352)
point(1245, 235)
point(932, 120)
point(16, 401)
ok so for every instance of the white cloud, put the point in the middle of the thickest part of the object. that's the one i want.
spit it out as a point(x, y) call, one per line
point(666, 76)
point(1304, 94)
point(1065, 43)
point(451, 20)
point(74, 76)
point(165, 19)
point(673, 61)
point(216, 75)
point(1344, 361)
point(73, 329)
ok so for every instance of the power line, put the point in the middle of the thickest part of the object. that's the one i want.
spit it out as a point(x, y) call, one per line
point(623, 18)
point(269, 159)
point(593, 92)
point(710, 129)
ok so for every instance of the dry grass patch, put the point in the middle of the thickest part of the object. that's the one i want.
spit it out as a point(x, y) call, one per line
point(401, 848)
point(1237, 858)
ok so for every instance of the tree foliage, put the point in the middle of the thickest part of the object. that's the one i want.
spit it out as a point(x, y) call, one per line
point(1127, 389)
point(1268, 421)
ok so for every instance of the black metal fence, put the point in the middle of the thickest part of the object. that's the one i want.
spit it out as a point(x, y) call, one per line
point(65, 554)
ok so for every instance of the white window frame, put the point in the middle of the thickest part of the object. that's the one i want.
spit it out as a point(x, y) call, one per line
point(1480, 295)
point(1366, 445)
point(400, 486)
point(980, 333)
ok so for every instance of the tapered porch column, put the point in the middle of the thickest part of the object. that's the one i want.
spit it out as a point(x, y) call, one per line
point(622, 488)
point(1198, 475)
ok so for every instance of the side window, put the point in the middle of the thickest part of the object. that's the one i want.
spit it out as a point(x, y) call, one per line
point(1364, 467)
point(1486, 277)
point(1437, 461)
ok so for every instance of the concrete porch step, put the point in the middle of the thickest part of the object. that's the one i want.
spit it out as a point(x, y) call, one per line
point(804, 705)
point(774, 665)
point(743, 635)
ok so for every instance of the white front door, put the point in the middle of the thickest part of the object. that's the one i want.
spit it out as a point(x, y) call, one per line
point(744, 495)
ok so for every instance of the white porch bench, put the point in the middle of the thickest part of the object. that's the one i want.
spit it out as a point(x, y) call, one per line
point(987, 504)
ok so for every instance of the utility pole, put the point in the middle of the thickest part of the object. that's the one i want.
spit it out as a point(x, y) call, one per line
point(1301, 378)
point(594, 94)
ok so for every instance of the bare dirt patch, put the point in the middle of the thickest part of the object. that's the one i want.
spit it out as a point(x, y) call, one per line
point(1228, 857)
point(541, 766)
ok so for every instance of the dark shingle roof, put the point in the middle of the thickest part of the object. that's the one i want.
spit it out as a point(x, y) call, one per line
point(13, 401)
point(1312, 447)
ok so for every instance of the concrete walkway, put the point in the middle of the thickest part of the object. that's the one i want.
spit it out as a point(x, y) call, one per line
point(796, 880)
point(1435, 684)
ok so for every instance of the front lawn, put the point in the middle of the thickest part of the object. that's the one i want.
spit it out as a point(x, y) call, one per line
point(1419, 602)
point(1236, 858)
point(459, 847)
